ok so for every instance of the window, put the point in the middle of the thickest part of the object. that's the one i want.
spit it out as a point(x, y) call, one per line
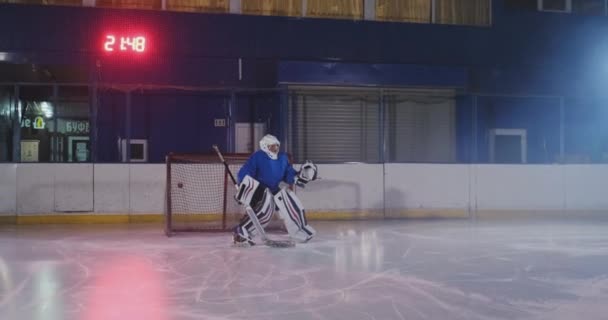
point(36, 111)
point(337, 9)
point(53, 128)
point(199, 5)
point(555, 5)
point(70, 141)
point(139, 150)
point(526, 5)
point(55, 2)
point(131, 4)
point(291, 8)
point(508, 146)
point(465, 12)
point(6, 122)
point(589, 7)
point(404, 10)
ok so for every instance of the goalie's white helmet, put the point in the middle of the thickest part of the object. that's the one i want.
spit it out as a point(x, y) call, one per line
point(267, 141)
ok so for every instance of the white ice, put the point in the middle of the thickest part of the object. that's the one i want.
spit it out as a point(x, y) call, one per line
point(403, 269)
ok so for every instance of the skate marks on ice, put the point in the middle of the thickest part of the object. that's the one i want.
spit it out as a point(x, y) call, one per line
point(363, 270)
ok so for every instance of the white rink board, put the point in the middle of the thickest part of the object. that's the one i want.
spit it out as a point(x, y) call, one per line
point(427, 186)
point(73, 187)
point(518, 187)
point(111, 188)
point(30, 189)
point(35, 188)
point(586, 187)
point(8, 189)
point(147, 188)
point(348, 187)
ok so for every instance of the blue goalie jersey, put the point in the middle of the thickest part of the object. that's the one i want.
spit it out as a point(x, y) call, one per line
point(267, 171)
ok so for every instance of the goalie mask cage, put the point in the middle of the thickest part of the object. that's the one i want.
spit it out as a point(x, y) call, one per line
point(199, 194)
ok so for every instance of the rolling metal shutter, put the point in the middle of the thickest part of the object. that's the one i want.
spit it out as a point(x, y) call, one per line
point(334, 125)
point(421, 126)
point(345, 125)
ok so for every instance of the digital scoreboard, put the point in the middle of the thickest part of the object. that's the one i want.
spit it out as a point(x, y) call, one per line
point(123, 43)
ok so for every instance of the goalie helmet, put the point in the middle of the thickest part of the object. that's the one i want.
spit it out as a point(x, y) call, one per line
point(267, 141)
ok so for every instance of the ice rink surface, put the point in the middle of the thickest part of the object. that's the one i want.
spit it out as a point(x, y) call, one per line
point(402, 269)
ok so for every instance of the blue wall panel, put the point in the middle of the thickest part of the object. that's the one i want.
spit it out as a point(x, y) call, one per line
point(525, 53)
point(202, 49)
point(538, 116)
point(185, 124)
point(332, 73)
point(464, 129)
point(586, 131)
point(261, 108)
point(172, 122)
point(110, 125)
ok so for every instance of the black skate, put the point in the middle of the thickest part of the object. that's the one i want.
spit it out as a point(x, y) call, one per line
point(241, 237)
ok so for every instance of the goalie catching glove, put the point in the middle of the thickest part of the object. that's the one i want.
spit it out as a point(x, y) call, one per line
point(308, 172)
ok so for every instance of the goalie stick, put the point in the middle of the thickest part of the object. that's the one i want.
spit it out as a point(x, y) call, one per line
point(251, 214)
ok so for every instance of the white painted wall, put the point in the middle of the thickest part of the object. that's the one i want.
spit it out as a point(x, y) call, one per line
point(30, 189)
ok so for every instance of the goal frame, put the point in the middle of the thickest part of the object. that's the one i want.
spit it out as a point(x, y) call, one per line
point(202, 158)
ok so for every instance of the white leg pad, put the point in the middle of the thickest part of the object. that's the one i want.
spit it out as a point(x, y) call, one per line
point(246, 190)
point(293, 215)
point(264, 210)
point(304, 234)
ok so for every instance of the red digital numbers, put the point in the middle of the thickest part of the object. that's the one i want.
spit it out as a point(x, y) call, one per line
point(124, 44)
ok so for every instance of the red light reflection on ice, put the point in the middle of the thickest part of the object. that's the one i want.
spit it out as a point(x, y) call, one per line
point(125, 287)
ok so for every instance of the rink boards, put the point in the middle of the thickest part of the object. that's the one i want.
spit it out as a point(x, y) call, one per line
point(61, 193)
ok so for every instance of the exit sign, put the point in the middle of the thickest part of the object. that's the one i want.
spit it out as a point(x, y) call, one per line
point(219, 122)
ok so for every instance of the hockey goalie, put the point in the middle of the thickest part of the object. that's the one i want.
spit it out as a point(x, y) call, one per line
point(258, 187)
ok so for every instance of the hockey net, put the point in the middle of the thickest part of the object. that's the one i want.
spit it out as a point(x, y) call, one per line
point(199, 194)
